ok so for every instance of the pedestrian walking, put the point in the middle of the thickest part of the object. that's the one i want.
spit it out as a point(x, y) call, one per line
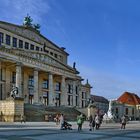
point(91, 123)
point(97, 122)
point(56, 119)
point(61, 119)
point(80, 121)
point(123, 122)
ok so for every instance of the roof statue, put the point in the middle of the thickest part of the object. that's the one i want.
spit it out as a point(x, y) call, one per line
point(74, 64)
point(36, 26)
point(87, 81)
point(28, 23)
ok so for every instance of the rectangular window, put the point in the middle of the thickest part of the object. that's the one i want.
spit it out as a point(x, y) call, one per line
point(57, 99)
point(76, 100)
point(70, 88)
point(1, 87)
point(31, 81)
point(58, 86)
point(14, 42)
point(70, 100)
point(126, 111)
point(32, 47)
point(1, 38)
point(45, 84)
point(46, 51)
point(133, 112)
point(45, 98)
point(82, 95)
point(76, 90)
point(82, 103)
point(13, 77)
point(117, 110)
point(37, 48)
point(26, 45)
point(1, 74)
point(8, 39)
point(55, 55)
point(20, 44)
point(51, 53)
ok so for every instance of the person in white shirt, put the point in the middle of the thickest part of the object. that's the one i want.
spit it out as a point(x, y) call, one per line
point(61, 121)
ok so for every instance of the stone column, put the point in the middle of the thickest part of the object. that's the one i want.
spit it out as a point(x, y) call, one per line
point(64, 96)
point(74, 93)
point(0, 69)
point(0, 81)
point(36, 94)
point(7, 82)
point(25, 87)
point(80, 96)
point(51, 91)
point(19, 79)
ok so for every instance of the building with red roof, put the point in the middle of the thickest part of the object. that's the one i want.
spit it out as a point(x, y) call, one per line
point(127, 104)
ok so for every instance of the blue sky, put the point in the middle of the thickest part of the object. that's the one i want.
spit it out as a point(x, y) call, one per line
point(101, 36)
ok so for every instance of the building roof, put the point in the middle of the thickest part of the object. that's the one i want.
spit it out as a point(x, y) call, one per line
point(100, 99)
point(61, 49)
point(129, 98)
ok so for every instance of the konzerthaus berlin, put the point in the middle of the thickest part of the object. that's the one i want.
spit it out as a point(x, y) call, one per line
point(38, 68)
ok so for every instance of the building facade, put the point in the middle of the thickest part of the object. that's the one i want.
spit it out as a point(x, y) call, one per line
point(127, 104)
point(38, 68)
point(101, 103)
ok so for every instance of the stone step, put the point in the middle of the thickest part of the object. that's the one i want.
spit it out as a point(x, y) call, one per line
point(40, 112)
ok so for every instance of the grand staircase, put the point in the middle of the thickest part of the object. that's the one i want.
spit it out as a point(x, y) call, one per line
point(43, 113)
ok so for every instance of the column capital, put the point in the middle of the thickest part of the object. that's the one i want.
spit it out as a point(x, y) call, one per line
point(19, 64)
point(36, 69)
point(51, 73)
point(63, 76)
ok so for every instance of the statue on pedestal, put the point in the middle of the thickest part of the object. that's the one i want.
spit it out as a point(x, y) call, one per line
point(108, 117)
point(14, 92)
point(27, 21)
point(109, 113)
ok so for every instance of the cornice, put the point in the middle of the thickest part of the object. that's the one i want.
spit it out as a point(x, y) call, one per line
point(27, 55)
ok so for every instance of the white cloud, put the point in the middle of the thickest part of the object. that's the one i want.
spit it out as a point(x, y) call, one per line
point(15, 10)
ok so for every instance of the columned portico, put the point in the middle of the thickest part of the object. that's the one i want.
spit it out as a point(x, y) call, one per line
point(19, 79)
point(51, 90)
point(38, 68)
point(36, 94)
point(64, 97)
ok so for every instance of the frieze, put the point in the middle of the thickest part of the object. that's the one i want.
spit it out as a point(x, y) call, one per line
point(41, 58)
point(34, 63)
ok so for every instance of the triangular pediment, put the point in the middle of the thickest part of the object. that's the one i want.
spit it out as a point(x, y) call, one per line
point(30, 33)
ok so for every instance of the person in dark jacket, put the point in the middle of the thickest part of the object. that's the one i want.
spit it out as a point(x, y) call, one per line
point(91, 123)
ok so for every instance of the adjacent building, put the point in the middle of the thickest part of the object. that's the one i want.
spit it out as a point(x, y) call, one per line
point(38, 68)
point(127, 104)
point(101, 103)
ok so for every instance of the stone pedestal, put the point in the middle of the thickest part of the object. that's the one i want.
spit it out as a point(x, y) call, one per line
point(91, 110)
point(11, 109)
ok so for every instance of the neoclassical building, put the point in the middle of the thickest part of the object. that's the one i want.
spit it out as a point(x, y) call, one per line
point(38, 68)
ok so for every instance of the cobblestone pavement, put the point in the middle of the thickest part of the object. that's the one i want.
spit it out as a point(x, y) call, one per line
point(49, 131)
